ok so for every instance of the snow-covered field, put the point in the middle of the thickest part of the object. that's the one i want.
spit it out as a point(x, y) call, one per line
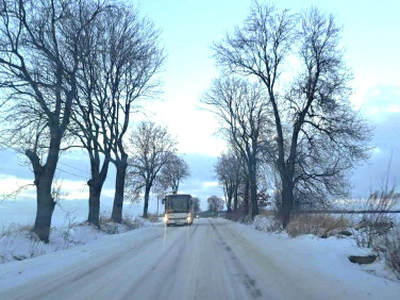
point(23, 211)
point(363, 204)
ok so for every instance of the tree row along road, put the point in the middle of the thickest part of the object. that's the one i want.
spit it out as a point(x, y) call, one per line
point(212, 259)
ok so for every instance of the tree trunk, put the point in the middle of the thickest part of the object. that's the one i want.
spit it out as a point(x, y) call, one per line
point(246, 198)
point(45, 208)
point(146, 201)
point(95, 188)
point(121, 166)
point(253, 189)
point(228, 196)
point(229, 204)
point(43, 180)
point(94, 202)
point(235, 198)
point(287, 198)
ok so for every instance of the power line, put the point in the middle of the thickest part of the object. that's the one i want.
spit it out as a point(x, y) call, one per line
point(77, 169)
point(70, 173)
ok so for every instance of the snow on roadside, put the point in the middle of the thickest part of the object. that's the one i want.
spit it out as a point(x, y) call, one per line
point(19, 243)
point(324, 262)
point(16, 273)
point(332, 253)
point(69, 228)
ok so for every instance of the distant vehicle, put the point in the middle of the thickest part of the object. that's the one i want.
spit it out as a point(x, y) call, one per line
point(178, 209)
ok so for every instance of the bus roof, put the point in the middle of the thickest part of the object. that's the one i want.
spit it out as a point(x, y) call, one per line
point(186, 195)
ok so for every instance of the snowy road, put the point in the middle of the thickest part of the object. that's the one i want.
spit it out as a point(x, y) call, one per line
point(212, 259)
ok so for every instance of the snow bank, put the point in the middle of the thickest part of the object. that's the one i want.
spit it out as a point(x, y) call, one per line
point(328, 251)
point(69, 228)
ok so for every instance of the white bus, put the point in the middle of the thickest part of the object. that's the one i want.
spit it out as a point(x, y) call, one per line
point(178, 209)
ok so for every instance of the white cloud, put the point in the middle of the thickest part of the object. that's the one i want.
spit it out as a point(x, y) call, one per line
point(381, 100)
point(11, 184)
point(211, 184)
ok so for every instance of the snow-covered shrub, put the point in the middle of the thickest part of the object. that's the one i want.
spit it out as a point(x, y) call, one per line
point(391, 251)
point(317, 224)
point(237, 215)
point(371, 229)
point(376, 221)
point(67, 229)
point(152, 218)
point(18, 242)
point(14, 228)
point(267, 224)
point(248, 219)
point(133, 223)
point(108, 226)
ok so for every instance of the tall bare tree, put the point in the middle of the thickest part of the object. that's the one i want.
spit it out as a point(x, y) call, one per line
point(242, 110)
point(131, 62)
point(151, 148)
point(318, 136)
point(229, 171)
point(39, 59)
point(119, 62)
point(91, 115)
point(173, 172)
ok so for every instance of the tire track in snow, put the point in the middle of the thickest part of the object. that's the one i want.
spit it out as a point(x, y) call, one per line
point(163, 270)
point(242, 274)
point(53, 284)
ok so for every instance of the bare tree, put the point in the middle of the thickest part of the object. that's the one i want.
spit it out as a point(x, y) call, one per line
point(116, 70)
point(215, 204)
point(196, 205)
point(318, 136)
point(39, 59)
point(151, 148)
point(131, 62)
point(242, 110)
point(173, 172)
point(229, 172)
point(91, 114)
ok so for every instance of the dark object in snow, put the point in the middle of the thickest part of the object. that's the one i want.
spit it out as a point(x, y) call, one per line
point(345, 233)
point(362, 260)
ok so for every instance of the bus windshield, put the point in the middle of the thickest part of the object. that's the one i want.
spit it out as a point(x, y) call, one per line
point(177, 203)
